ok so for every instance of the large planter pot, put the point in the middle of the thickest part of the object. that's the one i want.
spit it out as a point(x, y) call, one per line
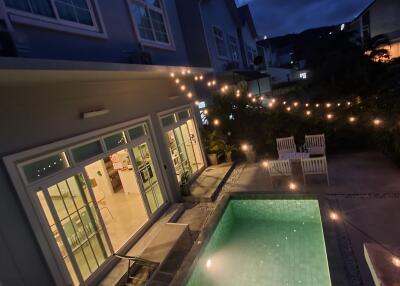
point(212, 159)
point(228, 156)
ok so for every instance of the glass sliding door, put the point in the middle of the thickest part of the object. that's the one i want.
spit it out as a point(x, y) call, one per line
point(185, 150)
point(73, 220)
point(148, 176)
point(118, 195)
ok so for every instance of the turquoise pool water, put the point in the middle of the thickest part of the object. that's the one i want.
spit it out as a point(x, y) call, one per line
point(265, 242)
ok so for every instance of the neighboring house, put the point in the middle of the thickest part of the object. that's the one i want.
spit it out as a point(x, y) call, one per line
point(286, 55)
point(381, 17)
point(96, 138)
point(220, 35)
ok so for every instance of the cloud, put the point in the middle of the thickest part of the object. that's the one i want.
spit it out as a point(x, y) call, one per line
point(279, 17)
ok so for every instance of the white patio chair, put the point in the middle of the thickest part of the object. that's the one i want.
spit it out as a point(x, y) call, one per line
point(315, 166)
point(285, 145)
point(315, 144)
point(280, 168)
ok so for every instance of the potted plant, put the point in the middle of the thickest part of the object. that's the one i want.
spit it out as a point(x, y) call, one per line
point(214, 146)
point(228, 152)
point(185, 178)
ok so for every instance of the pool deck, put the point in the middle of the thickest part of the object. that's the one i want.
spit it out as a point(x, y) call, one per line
point(365, 189)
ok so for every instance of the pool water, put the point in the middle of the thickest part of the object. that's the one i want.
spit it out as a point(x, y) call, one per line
point(265, 242)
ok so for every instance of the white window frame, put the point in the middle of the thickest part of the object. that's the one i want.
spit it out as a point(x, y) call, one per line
point(34, 211)
point(59, 24)
point(192, 113)
point(222, 38)
point(155, 43)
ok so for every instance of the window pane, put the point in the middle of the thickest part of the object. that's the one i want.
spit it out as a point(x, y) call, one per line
point(74, 11)
point(86, 151)
point(142, 20)
point(137, 132)
point(115, 140)
point(80, 223)
point(183, 115)
point(66, 11)
point(18, 4)
point(45, 167)
point(42, 7)
point(159, 26)
point(155, 3)
point(168, 120)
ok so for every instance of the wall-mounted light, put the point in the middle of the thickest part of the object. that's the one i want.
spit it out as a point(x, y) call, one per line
point(96, 113)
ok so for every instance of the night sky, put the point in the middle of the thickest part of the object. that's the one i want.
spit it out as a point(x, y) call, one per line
point(280, 17)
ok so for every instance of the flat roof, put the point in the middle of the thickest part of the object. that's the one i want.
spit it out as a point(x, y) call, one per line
point(27, 71)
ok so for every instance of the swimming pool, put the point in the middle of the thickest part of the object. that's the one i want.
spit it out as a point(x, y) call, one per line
point(265, 242)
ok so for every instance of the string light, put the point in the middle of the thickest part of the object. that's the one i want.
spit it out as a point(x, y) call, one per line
point(317, 105)
point(197, 102)
point(273, 100)
point(329, 116)
point(237, 94)
point(216, 122)
point(308, 112)
point(284, 103)
point(172, 75)
point(201, 77)
point(249, 95)
point(288, 109)
point(213, 82)
point(292, 186)
point(265, 164)
point(183, 87)
point(377, 122)
point(177, 81)
point(254, 99)
point(333, 216)
point(339, 104)
point(270, 105)
point(189, 71)
point(307, 104)
point(196, 78)
point(244, 147)
point(190, 95)
point(328, 105)
point(352, 119)
point(296, 104)
point(396, 261)
point(348, 103)
point(261, 98)
point(205, 111)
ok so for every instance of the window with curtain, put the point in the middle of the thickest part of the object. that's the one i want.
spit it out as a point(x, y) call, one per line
point(76, 11)
point(220, 42)
point(149, 17)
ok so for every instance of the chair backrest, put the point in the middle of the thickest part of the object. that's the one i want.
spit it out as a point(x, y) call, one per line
point(286, 145)
point(317, 165)
point(279, 168)
point(315, 141)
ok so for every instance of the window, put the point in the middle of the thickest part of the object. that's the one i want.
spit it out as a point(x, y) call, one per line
point(220, 42)
point(303, 75)
point(233, 48)
point(149, 18)
point(251, 54)
point(75, 11)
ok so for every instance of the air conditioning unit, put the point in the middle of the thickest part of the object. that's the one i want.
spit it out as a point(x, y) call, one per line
point(141, 58)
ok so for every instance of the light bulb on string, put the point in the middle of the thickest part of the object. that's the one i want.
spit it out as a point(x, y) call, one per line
point(249, 95)
point(284, 103)
point(189, 95)
point(196, 78)
point(172, 75)
point(177, 81)
point(377, 122)
point(183, 87)
point(328, 105)
point(307, 104)
point(273, 100)
point(308, 113)
point(339, 104)
point(317, 105)
point(295, 104)
point(329, 116)
point(288, 109)
point(213, 82)
point(216, 122)
point(352, 119)
point(201, 77)
point(205, 111)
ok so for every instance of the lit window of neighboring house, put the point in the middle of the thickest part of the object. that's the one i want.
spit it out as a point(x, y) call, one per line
point(233, 48)
point(303, 75)
point(220, 42)
point(150, 21)
point(74, 11)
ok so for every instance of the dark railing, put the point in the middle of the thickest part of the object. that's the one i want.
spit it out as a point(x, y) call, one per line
point(134, 260)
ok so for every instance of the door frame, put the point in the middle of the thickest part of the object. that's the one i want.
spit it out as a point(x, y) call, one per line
point(26, 191)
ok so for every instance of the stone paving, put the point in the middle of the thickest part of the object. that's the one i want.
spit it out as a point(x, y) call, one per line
point(365, 189)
